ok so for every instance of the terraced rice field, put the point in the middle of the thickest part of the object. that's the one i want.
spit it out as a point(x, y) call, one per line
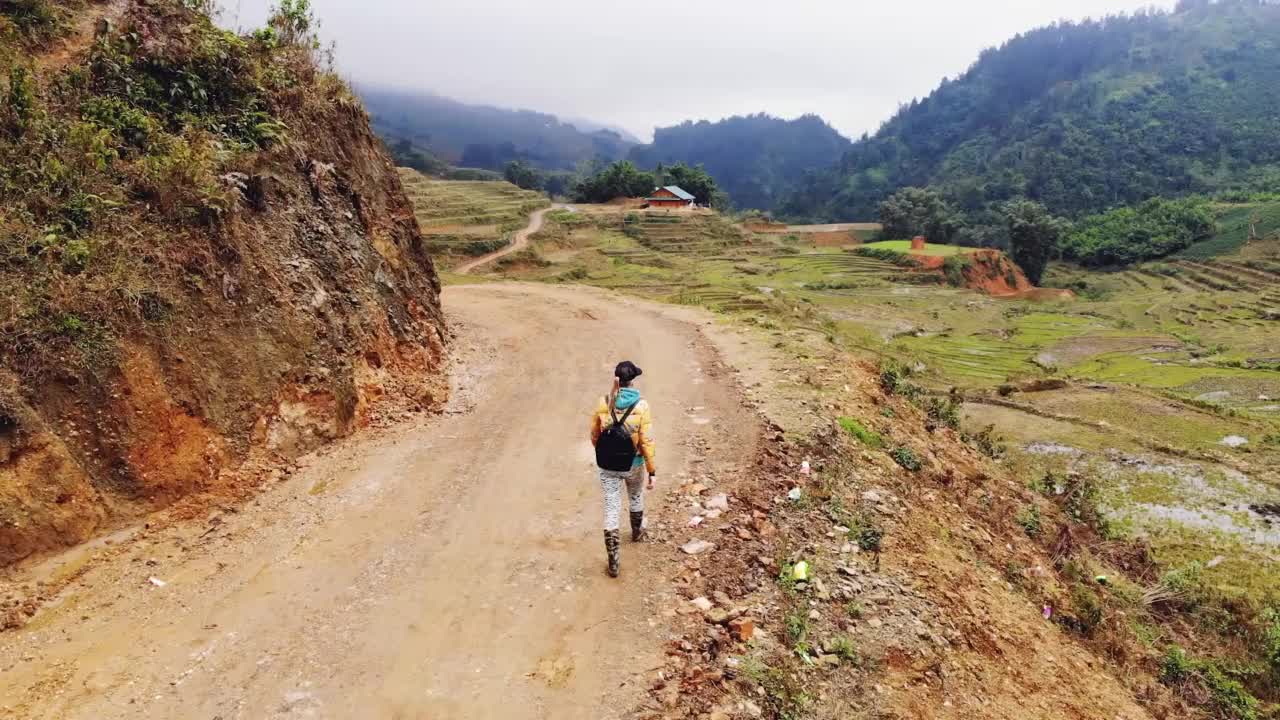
point(683, 234)
point(836, 265)
point(466, 218)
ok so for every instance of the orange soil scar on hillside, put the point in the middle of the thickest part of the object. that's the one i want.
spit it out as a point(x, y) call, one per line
point(993, 273)
point(173, 452)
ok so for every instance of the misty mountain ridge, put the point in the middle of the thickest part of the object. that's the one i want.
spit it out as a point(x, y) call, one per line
point(487, 136)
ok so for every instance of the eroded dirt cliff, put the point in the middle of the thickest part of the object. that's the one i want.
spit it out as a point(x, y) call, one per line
point(207, 257)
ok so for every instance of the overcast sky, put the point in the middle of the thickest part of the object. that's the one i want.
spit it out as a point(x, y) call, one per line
point(641, 65)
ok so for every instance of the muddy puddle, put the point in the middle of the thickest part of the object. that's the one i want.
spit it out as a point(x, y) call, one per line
point(1200, 496)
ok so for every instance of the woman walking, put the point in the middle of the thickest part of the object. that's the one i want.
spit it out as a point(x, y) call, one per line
point(622, 433)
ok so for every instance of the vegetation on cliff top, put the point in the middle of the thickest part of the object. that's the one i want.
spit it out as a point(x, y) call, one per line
point(159, 119)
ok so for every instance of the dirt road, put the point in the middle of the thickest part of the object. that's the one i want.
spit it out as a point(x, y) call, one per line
point(518, 243)
point(452, 568)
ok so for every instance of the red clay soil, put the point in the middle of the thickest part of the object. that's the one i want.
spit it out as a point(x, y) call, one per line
point(993, 273)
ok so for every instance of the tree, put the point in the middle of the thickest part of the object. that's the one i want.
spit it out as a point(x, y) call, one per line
point(523, 175)
point(694, 180)
point(1033, 236)
point(919, 211)
point(620, 179)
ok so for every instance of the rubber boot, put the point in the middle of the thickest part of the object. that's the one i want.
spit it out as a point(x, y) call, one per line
point(637, 526)
point(611, 543)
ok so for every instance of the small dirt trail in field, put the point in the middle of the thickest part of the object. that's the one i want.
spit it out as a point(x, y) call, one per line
point(451, 567)
point(518, 243)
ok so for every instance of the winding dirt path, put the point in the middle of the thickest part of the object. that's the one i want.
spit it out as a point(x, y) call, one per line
point(450, 568)
point(518, 243)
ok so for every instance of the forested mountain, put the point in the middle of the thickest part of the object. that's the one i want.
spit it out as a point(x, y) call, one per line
point(1083, 117)
point(757, 159)
point(486, 137)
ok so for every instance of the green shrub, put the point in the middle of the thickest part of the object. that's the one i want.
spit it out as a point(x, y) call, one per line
point(36, 21)
point(907, 458)
point(842, 647)
point(1030, 521)
point(1186, 583)
point(1230, 696)
point(867, 437)
point(893, 380)
point(870, 538)
point(1227, 695)
point(954, 268)
point(1086, 608)
point(1080, 499)
point(796, 623)
point(945, 411)
point(1175, 667)
point(20, 101)
point(1271, 640)
point(987, 442)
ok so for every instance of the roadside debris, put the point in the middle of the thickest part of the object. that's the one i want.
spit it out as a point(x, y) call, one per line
point(697, 547)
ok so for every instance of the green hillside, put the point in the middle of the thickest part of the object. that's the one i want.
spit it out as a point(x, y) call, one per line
point(1235, 221)
point(1083, 117)
point(757, 159)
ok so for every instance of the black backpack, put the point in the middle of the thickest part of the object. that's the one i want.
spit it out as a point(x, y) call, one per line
point(615, 449)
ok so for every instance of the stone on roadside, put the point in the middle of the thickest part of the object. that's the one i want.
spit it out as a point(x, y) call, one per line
point(717, 502)
point(823, 592)
point(742, 629)
point(701, 603)
point(722, 598)
point(697, 547)
point(717, 616)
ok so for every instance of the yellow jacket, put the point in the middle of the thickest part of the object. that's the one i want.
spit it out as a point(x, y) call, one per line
point(640, 423)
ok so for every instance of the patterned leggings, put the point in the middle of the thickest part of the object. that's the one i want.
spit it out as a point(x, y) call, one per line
point(612, 483)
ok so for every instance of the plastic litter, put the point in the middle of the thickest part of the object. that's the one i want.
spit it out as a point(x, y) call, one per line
point(805, 469)
point(800, 571)
point(1101, 580)
point(795, 494)
point(1048, 612)
point(157, 582)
